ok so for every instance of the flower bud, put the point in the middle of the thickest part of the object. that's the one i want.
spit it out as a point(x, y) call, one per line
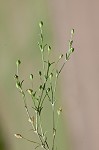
point(40, 73)
point(19, 136)
point(16, 76)
point(31, 76)
point(18, 62)
point(72, 50)
point(18, 85)
point(41, 24)
point(59, 111)
point(30, 91)
point(31, 119)
point(72, 31)
point(51, 75)
point(40, 87)
point(49, 48)
point(60, 56)
point(48, 90)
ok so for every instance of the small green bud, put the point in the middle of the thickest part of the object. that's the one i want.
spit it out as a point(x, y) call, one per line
point(40, 73)
point(67, 56)
point(40, 87)
point(72, 31)
point(16, 76)
point(40, 46)
point(30, 91)
point(31, 76)
point(60, 56)
point(59, 111)
point(48, 90)
point(21, 82)
point(19, 136)
point(18, 85)
point(70, 42)
point(72, 50)
point(34, 94)
point(31, 119)
point(41, 24)
point(49, 48)
point(18, 62)
point(51, 75)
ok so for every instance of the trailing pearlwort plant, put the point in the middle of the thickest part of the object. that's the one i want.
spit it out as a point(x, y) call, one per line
point(46, 92)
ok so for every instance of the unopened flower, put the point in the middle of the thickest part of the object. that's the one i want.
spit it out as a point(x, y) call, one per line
point(41, 24)
point(30, 91)
point(19, 136)
point(31, 76)
point(59, 111)
point(18, 62)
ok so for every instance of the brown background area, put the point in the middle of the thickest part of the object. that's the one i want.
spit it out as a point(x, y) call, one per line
point(80, 80)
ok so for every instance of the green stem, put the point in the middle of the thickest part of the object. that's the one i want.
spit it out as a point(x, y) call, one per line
point(54, 130)
point(42, 133)
point(61, 68)
point(43, 62)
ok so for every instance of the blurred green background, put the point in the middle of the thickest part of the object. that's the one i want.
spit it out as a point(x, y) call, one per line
point(18, 40)
point(78, 86)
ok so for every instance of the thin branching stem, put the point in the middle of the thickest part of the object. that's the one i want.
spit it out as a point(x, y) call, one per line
point(47, 91)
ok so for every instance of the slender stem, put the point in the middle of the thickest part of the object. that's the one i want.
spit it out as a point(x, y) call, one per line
point(31, 141)
point(54, 130)
point(36, 121)
point(43, 62)
point(37, 132)
point(41, 126)
point(33, 98)
point(41, 95)
point(43, 100)
point(61, 68)
point(42, 133)
point(17, 70)
point(55, 85)
point(52, 93)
